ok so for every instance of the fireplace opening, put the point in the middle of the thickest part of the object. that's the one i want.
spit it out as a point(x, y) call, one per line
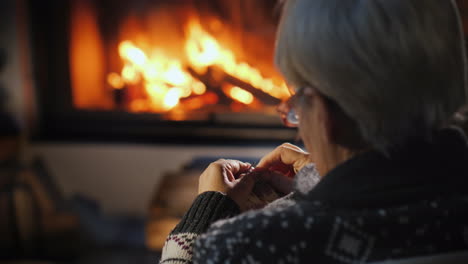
point(185, 70)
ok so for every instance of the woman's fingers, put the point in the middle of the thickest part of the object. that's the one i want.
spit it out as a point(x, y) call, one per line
point(231, 169)
point(237, 179)
point(246, 182)
point(242, 189)
point(294, 147)
point(235, 167)
point(280, 183)
point(286, 154)
point(221, 174)
point(277, 181)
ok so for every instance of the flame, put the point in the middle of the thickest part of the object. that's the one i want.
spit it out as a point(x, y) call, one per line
point(199, 88)
point(130, 74)
point(166, 81)
point(203, 51)
point(176, 76)
point(131, 53)
point(172, 98)
point(201, 48)
point(115, 81)
point(241, 95)
point(200, 101)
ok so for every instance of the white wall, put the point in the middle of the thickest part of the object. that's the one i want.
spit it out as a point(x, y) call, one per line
point(123, 178)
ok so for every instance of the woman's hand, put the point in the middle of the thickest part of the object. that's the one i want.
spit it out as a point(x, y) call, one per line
point(231, 177)
point(286, 159)
point(281, 166)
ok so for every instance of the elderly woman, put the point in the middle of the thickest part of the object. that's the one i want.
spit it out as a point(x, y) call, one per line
point(376, 83)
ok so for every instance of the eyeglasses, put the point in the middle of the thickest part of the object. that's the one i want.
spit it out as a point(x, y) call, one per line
point(287, 110)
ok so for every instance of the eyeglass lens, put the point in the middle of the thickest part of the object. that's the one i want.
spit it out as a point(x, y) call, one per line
point(292, 117)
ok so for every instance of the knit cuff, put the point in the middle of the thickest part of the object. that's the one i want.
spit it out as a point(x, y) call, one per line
point(207, 208)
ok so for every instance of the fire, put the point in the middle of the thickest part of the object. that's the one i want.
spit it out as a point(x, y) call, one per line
point(130, 74)
point(199, 88)
point(176, 76)
point(131, 53)
point(116, 81)
point(166, 80)
point(241, 95)
point(202, 49)
point(172, 98)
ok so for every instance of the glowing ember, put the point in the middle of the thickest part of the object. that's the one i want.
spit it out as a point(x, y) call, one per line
point(175, 75)
point(199, 88)
point(172, 98)
point(130, 74)
point(131, 53)
point(115, 81)
point(241, 95)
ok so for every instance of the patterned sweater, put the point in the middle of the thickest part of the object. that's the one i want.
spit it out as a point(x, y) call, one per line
point(413, 202)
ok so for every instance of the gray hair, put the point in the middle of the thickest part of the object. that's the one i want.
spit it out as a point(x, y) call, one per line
point(395, 67)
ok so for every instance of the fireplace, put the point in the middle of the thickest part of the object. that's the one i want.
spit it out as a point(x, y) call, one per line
point(151, 70)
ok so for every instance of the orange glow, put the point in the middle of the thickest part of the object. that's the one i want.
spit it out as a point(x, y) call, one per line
point(199, 88)
point(211, 98)
point(139, 106)
point(115, 81)
point(197, 102)
point(130, 74)
point(241, 95)
point(172, 98)
point(175, 75)
point(165, 79)
point(87, 62)
point(157, 90)
point(131, 53)
point(194, 103)
point(203, 51)
point(201, 48)
point(151, 72)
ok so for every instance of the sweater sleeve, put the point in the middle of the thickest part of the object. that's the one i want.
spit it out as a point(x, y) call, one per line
point(207, 208)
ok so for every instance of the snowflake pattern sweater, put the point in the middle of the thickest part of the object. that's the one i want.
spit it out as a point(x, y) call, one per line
point(370, 208)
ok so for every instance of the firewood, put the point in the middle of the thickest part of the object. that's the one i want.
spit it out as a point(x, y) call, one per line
point(213, 85)
point(262, 96)
point(214, 76)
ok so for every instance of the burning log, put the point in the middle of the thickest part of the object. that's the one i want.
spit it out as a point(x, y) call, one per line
point(199, 101)
point(259, 94)
point(206, 78)
point(212, 84)
point(214, 76)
